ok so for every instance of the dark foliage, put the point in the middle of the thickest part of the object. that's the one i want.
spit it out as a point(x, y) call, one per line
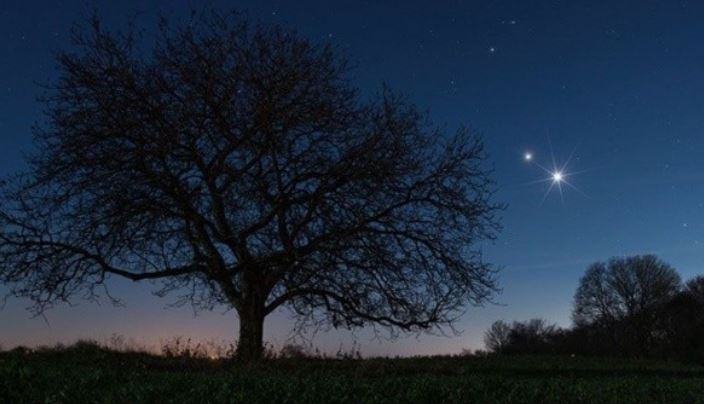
point(236, 163)
point(681, 324)
point(534, 336)
point(633, 306)
point(624, 297)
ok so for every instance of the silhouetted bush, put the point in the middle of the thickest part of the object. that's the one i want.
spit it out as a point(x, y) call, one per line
point(680, 328)
point(531, 337)
point(293, 351)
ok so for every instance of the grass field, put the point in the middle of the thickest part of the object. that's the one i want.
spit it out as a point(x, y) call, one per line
point(94, 375)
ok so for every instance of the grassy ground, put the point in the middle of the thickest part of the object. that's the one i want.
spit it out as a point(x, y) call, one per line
point(93, 375)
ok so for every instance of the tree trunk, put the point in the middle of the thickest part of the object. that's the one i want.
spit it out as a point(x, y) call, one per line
point(250, 346)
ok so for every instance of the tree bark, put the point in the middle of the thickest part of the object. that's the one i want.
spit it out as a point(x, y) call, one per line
point(250, 346)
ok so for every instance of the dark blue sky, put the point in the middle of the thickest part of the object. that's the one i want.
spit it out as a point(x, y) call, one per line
point(622, 82)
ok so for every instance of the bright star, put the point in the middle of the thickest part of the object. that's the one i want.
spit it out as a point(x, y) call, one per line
point(558, 176)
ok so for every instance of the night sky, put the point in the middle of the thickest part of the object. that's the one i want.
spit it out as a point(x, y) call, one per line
point(618, 86)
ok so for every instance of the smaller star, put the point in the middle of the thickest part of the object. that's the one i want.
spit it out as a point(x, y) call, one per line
point(492, 49)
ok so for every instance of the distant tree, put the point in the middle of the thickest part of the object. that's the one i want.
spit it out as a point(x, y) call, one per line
point(522, 337)
point(532, 336)
point(681, 326)
point(623, 296)
point(497, 337)
point(236, 163)
point(681, 323)
point(695, 289)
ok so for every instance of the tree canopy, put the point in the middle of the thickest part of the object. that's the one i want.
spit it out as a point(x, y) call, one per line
point(237, 163)
point(624, 296)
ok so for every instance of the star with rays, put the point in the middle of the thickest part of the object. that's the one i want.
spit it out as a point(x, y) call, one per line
point(557, 175)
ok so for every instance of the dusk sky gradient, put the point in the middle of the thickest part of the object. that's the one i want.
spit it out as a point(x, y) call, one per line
point(619, 83)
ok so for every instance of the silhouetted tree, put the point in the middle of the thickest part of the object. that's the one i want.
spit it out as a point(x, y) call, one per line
point(523, 337)
point(681, 323)
point(695, 288)
point(623, 297)
point(497, 337)
point(680, 328)
point(237, 163)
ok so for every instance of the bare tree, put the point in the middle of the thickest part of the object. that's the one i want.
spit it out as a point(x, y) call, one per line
point(522, 337)
point(623, 297)
point(236, 163)
point(497, 337)
point(596, 301)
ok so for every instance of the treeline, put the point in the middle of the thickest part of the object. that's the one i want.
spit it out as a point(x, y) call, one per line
point(631, 306)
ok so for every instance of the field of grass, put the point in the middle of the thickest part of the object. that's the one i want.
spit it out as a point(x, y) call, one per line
point(93, 375)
